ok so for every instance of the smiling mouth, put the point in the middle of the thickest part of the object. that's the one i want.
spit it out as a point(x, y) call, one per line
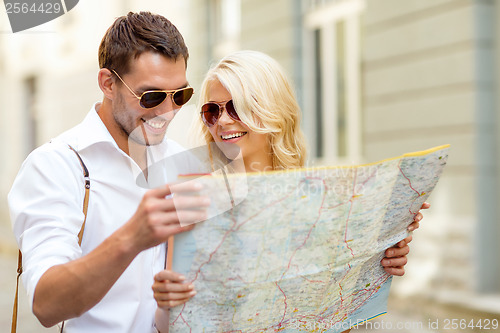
point(156, 124)
point(232, 135)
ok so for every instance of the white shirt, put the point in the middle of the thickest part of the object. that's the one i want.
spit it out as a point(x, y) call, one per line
point(46, 202)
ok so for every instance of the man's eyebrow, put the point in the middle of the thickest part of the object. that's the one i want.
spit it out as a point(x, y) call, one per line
point(141, 90)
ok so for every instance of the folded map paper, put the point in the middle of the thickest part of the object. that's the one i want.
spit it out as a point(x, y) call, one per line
point(301, 251)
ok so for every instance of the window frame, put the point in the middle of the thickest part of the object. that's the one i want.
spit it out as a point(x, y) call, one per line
point(325, 18)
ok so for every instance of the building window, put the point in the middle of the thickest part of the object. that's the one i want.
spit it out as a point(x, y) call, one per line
point(341, 91)
point(318, 96)
point(332, 55)
point(30, 114)
point(225, 26)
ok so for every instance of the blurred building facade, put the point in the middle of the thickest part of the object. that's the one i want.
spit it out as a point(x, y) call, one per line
point(375, 79)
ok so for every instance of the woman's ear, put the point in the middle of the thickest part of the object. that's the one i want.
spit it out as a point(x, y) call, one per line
point(106, 82)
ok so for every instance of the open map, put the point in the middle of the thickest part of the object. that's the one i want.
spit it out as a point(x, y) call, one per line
point(300, 251)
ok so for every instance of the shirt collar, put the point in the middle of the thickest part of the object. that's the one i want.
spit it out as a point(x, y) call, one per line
point(92, 130)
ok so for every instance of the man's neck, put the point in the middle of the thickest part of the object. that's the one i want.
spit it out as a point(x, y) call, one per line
point(138, 153)
point(104, 111)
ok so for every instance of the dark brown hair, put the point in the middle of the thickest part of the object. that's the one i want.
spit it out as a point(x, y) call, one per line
point(129, 36)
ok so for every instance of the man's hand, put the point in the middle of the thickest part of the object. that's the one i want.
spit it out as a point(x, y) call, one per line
point(90, 277)
point(159, 217)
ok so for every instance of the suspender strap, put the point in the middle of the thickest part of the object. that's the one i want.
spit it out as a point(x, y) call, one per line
point(87, 192)
point(14, 310)
point(80, 236)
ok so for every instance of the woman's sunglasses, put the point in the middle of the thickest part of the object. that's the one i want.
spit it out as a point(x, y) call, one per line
point(211, 112)
point(150, 99)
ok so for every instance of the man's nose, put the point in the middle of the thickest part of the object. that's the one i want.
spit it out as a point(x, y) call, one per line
point(167, 109)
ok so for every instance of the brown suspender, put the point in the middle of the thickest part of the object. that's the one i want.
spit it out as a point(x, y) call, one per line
point(80, 236)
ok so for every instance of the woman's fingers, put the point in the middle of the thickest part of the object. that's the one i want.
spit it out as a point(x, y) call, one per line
point(169, 289)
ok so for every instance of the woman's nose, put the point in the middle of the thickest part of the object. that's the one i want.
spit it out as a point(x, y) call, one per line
point(224, 117)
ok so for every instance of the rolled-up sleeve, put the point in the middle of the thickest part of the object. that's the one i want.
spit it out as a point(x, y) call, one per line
point(45, 205)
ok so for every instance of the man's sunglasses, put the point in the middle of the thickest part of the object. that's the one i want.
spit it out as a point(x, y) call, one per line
point(211, 112)
point(150, 99)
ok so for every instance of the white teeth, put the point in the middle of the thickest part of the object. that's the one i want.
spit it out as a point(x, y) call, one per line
point(155, 124)
point(233, 135)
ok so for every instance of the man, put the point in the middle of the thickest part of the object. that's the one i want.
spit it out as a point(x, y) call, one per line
point(105, 285)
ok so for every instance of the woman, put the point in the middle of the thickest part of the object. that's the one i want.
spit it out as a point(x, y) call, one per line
point(248, 101)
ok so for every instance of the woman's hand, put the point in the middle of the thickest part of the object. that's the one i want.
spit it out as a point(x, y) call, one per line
point(395, 257)
point(170, 291)
point(416, 221)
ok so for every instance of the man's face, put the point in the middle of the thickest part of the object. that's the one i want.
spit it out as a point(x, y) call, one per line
point(150, 71)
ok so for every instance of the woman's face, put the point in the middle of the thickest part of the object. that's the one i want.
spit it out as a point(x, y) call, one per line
point(254, 147)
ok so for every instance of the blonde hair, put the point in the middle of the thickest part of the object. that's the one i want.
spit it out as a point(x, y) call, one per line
point(264, 100)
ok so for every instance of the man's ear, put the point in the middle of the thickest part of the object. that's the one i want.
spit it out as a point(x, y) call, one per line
point(106, 83)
